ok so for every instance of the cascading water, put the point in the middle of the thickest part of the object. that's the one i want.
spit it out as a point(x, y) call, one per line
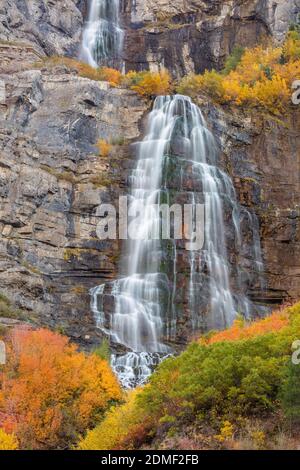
point(161, 281)
point(102, 36)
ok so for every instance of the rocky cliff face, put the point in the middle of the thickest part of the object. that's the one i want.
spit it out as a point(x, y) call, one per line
point(183, 35)
point(190, 36)
point(262, 156)
point(52, 178)
point(51, 181)
point(53, 27)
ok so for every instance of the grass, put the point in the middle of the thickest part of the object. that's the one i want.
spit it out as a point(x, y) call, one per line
point(7, 311)
point(63, 176)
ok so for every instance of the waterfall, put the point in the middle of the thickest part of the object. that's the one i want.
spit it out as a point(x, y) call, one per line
point(102, 36)
point(160, 282)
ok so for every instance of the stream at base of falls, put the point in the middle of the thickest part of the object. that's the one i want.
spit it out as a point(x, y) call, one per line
point(163, 290)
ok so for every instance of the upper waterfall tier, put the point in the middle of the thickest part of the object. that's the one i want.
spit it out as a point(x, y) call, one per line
point(161, 281)
point(102, 36)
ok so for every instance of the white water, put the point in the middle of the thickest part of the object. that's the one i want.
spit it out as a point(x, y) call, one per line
point(142, 320)
point(102, 36)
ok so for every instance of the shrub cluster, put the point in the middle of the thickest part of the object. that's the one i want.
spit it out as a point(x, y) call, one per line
point(146, 83)
point(255, 77)
point(259, 77)
point(50, 393)
point(226, 377)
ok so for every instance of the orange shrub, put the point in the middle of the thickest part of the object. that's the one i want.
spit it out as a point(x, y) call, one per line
point(150, 84)
point(84, 70)
point(104, 147)
point(242, 330)
point(262, 78)
point(51, 393)
point(110, 75)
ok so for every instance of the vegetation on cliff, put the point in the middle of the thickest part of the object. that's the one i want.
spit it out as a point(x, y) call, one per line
point(145, 83)
point(258, 77)
point(253, 77)
point(218, 391)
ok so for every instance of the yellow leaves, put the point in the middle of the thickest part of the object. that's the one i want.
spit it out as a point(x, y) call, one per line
point(104, 147)
point(291, 47)
point(289, 71)
point(262, 78)
point(235, 91)
point(226, 432)
point(110, 75)
point(255, 61)
point(213, 84)
point(272, 94)
point(190, 85)
point(8, 441)
point(50, 390)
point(117, 426)
point(259, 439)
point(151, 84)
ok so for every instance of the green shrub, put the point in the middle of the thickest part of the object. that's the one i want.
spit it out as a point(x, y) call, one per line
point(230, 380)
point(233, 59)
point(103, 350)
point(7, 311)
point(291, 393)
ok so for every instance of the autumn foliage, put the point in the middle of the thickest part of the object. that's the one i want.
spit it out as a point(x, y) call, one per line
point(147, 84)
point(8, 441)
point(104, 148)
point(123, 427)
point(219, 383)
point(261, 77)
point(50, 392)
point(243, 330)
point(150, 84)
point(82, 69)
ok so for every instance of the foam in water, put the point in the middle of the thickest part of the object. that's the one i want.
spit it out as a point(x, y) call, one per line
point(145, 314)
point(102, 36)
